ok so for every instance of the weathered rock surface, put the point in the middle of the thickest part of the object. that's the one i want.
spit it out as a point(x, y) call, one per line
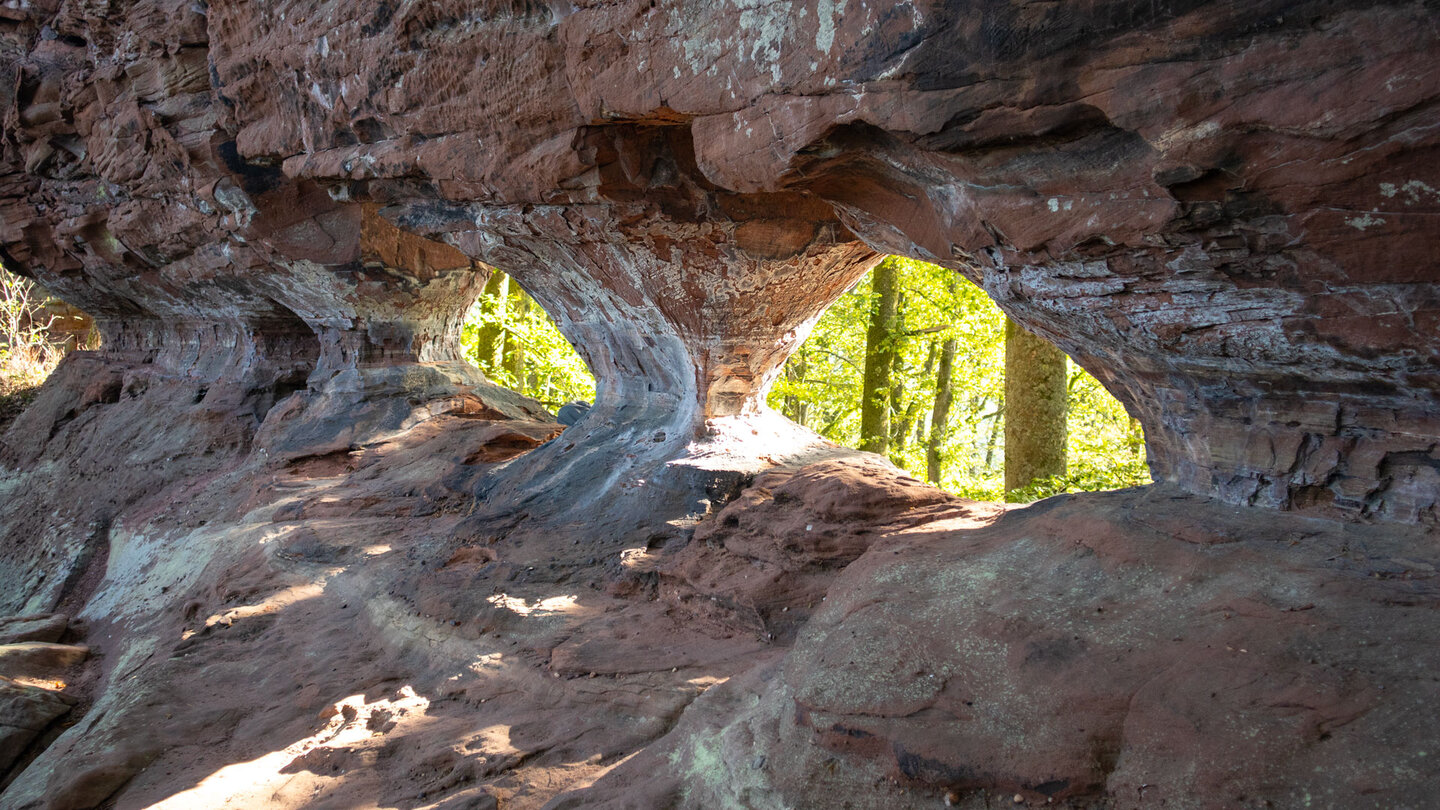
point(25, 712)
point(38, 658)
point(326, 638)
point(47, 627)
point(768, 558)
point(34, 675)
point(321, 638)
point(1132, 649)
point(324, 562)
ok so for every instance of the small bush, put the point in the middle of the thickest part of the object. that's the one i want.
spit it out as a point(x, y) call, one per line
point(27, 353)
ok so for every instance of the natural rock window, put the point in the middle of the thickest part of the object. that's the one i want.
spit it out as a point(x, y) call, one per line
point(317, 558)
point(944, 393)
point(514, 341)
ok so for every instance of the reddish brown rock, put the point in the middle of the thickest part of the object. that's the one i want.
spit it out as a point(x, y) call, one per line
point(44, 627)
point(91, 786)
point(35, 688)
point(309, 538)
point(37, 659)
point(684, 300)
point(310, 628)
point(25, 712)
point(1116, 649)
point(766, 560)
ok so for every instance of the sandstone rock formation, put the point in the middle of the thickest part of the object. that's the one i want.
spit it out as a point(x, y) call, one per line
point(278, 212)
point(1188, 203)
point(951, 660)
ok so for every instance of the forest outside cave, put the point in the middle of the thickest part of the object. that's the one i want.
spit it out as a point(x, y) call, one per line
point(944, 401)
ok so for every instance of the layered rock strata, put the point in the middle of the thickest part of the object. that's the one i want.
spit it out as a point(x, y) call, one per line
point(684, 300)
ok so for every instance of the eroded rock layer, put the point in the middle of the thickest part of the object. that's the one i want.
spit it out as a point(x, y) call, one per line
point(1223, 209)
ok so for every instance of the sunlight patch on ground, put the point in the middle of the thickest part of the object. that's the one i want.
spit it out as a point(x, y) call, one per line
point(487, 664)
point(263, 782)
point(493, 747)
point(278, 601)
point(493, 741)
point(271, 534)
point(540, 607)
point(635, 558)
point(738, 442)
point(48, 684)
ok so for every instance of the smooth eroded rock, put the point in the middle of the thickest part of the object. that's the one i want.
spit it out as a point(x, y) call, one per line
point(44, 628)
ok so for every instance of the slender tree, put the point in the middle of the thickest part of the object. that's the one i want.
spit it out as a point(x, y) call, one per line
point(880, 350)
point(796, 408)
point(519, 308)
point(996, 420)
point(490, 340)
point(898, 370)
point(940, 416)
point(901, 433)
point(1035, 389)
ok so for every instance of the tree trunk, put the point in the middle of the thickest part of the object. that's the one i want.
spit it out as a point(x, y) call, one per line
point(901, 434)
point(515, 349)
point(879, 358)
point(897, 376)
point(997, 419)
point(489, 341)
point(797, 409)
point(1034, 408)
point(940, 417)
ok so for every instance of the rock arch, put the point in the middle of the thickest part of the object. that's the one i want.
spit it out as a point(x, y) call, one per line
point(277, 212)
point(1142, 214)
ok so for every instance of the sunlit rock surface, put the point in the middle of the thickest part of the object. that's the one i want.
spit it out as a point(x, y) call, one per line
point(320, 561)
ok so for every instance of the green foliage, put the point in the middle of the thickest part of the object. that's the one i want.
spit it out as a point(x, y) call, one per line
point(1107, 447)
point(821, 387)
point(27, 354)
point(526, 353)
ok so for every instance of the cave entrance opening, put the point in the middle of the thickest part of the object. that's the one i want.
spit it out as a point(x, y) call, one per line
point(515, 342)
point(36, 331)
point(943, 398)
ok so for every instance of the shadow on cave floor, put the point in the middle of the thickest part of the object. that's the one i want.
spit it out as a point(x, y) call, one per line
point(321, 638)
point(317, 633)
